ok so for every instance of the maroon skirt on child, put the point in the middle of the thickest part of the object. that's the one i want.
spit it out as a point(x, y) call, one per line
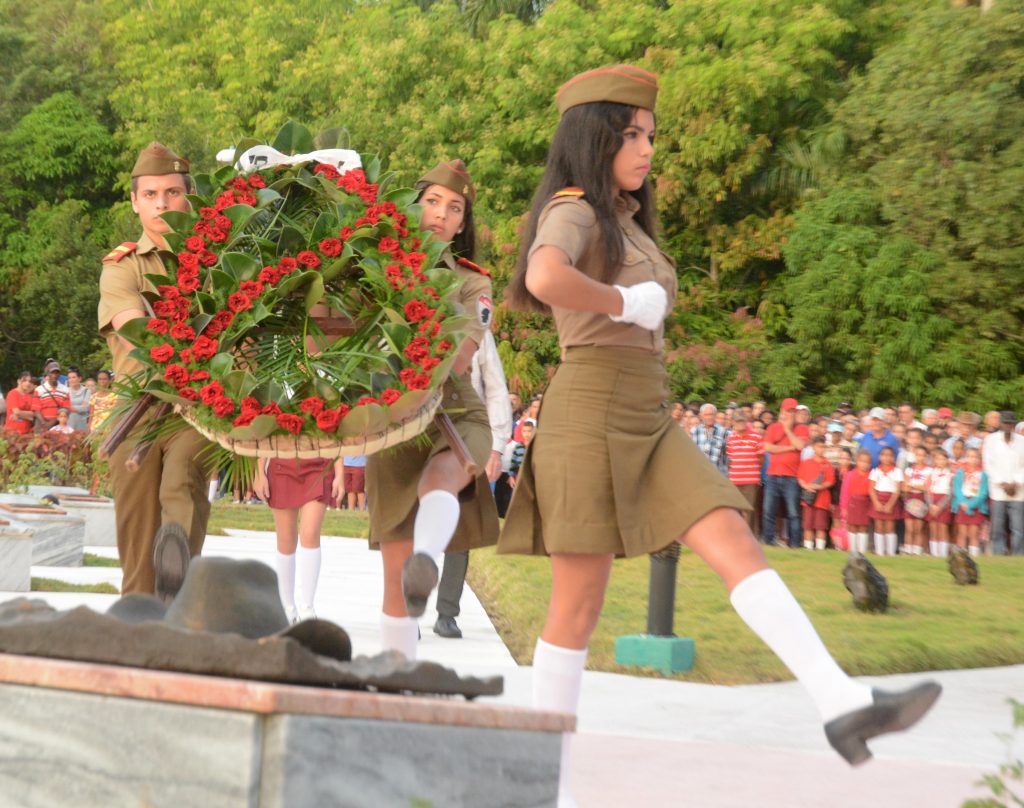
point(943, 517)
point(293, 483)
point(976, 518)
point(913, 496)
point(884, 497)
point(858, 511)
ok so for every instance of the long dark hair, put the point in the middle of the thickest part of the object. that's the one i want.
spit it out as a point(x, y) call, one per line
point(581, 154)
point(464, 243)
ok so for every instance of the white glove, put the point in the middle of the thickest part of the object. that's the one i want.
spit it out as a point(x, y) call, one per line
point(644, 305)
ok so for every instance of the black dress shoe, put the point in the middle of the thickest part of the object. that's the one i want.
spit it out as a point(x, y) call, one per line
point(419, 577)
point(171, 555)
point(890, 712)
point(447, 627)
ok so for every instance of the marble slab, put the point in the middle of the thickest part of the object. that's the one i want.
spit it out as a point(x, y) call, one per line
point(57, 536)
point(15, 557)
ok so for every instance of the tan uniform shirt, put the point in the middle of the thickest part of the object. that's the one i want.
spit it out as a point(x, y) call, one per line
point(121, 286)
point(569, 223)
point(474, 297)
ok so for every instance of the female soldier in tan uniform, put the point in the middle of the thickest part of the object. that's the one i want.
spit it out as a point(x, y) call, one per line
point(421, 499)
point(603, 476)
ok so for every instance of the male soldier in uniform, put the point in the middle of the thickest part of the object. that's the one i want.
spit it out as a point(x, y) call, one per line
point(167, 494)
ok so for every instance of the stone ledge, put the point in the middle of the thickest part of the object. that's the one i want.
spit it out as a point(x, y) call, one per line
point(267, 698)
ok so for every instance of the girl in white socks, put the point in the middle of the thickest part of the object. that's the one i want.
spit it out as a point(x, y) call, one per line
point(609, 473)
point(886, 482)
point(298, 492)
point(939, 497)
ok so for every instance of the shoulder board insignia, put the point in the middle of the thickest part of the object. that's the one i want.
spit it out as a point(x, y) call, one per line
point(576, 193)
point(465, 262)
point(119, 252)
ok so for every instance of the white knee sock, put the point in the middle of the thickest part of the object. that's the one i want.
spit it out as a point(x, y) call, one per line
point(890, 544)
point(308, 573)
point(933, 547)
point(557, 677)
point(285, 565)
point(863, 543)
point(436, 520)
point(819, 544)
point(879, 539)
point(399, 634)
point(771, 611)
point(943, 549)
point(973, 550)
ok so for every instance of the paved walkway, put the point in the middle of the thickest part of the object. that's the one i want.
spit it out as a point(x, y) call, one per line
point(653, 742)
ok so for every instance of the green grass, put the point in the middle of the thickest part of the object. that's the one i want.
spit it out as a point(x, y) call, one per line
point(53, 585)
point(932, 624)
point(93, 560)
point(225, 514)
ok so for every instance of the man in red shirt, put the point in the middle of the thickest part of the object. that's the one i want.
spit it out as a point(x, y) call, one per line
point(783, 441)
point(21, 415)
point(51, 395)
point(745, 450)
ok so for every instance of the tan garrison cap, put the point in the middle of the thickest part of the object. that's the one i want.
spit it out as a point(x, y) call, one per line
point(451, 175)
point(156, 160)
point(621, 84)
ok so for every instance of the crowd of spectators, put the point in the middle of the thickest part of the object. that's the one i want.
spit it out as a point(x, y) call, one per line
point(57, 401)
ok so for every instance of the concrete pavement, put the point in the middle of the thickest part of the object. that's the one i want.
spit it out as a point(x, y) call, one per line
point(653, 742)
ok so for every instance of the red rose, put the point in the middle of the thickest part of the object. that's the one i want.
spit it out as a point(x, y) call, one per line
point(188, 284)
point(223, 406)
point(421, 382)
point(186, 355)
point(331, 247)
point(211, 392)
point(201, 228)
point(256, 181)
point(273, 408)
point(390, 396)
point(157, 326)
point(430, 327)
point(291, 422)
point(250, 404)
point(416, 310)
point(443, 347)
point(204, 347)
point(343, 410)
point(367, 400)
point(217, 235)
point(430, 364)
point(314, 405)
point(269, 275)
point(200, 375)
point(286, 265)
point(239, 302)
point(308, 259)
point(407, 375)
point(161, 353)
point(247, 199)
point(417, 350)
point(238, 183)
point(176, 375)
point(245, 418)
point(329, 171)
point(251, 288)
point(388, 245)
point(181, 309)
point(195, 243)
point(328, 420)
point(225, 200)
point(207, 213)
point(207, 258)
point(183, 332)
point(414, 244)
point(345, 233)
point(414, 260)
point(431, 292)
point(223, 222)
point(190, 260)
point(189, 394)
point(168, 292)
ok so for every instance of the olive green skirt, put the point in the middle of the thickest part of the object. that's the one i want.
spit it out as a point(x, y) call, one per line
point(393, 476)
point(608, 470)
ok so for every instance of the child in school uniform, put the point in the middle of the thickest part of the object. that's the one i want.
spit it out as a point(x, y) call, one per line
point(855, 502)
point(839, 533)
point(939, 497)
point(886, 480)
point(816, 477)
point(970, 502)
point(915, 486)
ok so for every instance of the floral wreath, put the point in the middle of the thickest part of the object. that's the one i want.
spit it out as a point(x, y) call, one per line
point(256, 259)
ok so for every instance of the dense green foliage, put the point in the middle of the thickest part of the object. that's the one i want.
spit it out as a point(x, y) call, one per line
point(837, 180)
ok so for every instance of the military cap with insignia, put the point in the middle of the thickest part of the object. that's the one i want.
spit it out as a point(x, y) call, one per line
point(157, 160)
point(620, 84)
point(452, 175)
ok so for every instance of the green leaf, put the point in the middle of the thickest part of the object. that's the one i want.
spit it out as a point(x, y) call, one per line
point(326, 227)
point(332, 270)
point(402, 197)
point(223, 283)
point(408, 404)
point(291, 241)
point(204, 189)
point(158, 280)
point(372, 169)
point(134, 330)
point(315, 292)
point(397, 335)
point(238, 383)
point(207, 303)
point(221, 364)
point(365, 420)
point(326, 391)
point(330, 138)
point(164, 395)
point(239, 216)
point(261, 427)
point(240, 266)
point(269, 391)
point(200, 321)
point(294, 281)
point(294, 138)
point(266, 197)
point(179, 221)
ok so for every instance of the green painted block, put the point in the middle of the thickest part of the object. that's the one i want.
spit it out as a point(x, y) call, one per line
point(666, 654)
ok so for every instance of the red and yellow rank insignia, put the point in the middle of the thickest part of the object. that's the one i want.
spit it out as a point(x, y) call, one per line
point(465, 262)
point(574, 193)
point(120, 251)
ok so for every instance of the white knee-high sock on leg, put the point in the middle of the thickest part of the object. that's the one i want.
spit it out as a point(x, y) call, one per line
point(399, 634)
point(890, 544)
point(557, 677)
point(771, 611)
point(436, 520)
point(285, 565)
point(879, 539)
point(307, 562)
point(863, 544)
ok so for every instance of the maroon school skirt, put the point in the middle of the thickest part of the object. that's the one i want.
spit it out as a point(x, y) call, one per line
point(976, 518)
point(914, 495)
point(814, 518)
point(293, 483)
point(944, 516)
point(884, 497)
point(858, 511)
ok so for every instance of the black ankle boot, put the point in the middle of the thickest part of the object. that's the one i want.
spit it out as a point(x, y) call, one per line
point(890, 712)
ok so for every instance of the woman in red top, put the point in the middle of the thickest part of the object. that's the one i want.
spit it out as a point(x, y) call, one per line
point(21, 416)
point(816, 476)
point(855, 502)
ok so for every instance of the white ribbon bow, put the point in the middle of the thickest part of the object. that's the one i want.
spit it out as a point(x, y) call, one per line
point(260, 157)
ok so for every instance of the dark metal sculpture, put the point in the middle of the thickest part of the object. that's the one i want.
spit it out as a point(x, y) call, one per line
point(962, 567)
point(866, 584)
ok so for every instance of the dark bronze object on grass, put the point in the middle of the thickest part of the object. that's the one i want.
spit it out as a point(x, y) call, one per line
point(962, 567)
point(868, 586)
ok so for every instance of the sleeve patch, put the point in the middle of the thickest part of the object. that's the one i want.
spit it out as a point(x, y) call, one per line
point(119, 252)
point(484, 310)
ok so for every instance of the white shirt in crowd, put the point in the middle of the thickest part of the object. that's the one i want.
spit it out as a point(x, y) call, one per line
point(488, 379)
point(1004, 463)
point(886, 481)
point(940, 482)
